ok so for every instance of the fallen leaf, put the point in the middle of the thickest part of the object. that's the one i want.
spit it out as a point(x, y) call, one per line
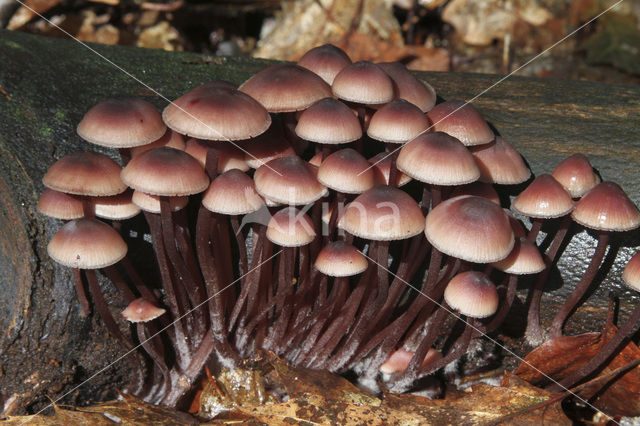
point(129, 410)
point(560, 357)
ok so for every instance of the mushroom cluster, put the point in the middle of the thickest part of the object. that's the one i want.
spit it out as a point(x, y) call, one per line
point(329, 212)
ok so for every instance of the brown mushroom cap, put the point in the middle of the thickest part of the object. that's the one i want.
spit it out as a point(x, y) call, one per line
point(472, 294)
point(229, 156)
point(544, 198)
point(479, 189)
point(363, 82)
point(339, 259)
point(85, 173)
point(216, 112)
point(60, 205)
point(419, 93)
point(606, 207)
point(383, 213)
point(326, 61)
point(470, 228)
point(270, 145)
point(381, 166)
point(151, 203)
point(232, 193)
point(525, 258)
point(286, 88)
point(290, 227)
point(500, 163)
point(328, 121)
point(87, 244)
point(462, 121)
point(398, 121)
point(631, 273)
point(346, 171)
point(289, 180)
point(121, 123)
point(115, 207)
point(438, 159)
point(576, 175)
point(170, 138)
point(141, 310)
point(165, 171)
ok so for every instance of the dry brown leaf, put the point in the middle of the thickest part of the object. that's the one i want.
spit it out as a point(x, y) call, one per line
point(128, 411)
point(560, 357)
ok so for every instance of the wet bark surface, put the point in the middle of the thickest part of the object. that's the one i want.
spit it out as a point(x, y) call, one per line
point(46, 85)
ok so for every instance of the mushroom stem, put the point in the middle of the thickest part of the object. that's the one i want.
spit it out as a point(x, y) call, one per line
point(582, 286)
point(534, 332)
point(536, 225)
point(156, 356)
point(85, 308)
point(242, 245)
point(218, 331)
point(168, 286)
point(103, 309)
point(601, 357)
point(117, 280)
point(405, 379)
point(505, 307)
point(184, 274)
point(318, 355)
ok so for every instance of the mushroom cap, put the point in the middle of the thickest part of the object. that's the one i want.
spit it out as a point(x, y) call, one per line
point(382, 213)
point(420, 93)
point(399, 360)
point(151, 203)
point(329, 121)
point(381, 166)
point(229, 155)
point(326, 61)
point(462, 121)
point(544, 198)
point(606, 207)
point(115, 207)
point(525, 258)
point(165, 171)
point(472, 294)
point(270, 145)
point(289, 180)
point(60, 205)
point(286, 88)
point(631, 273)
point(398, 121)
point(87, 243)
point(121, 123)
point(290, 227)
point(470, 228)
point(217, 112)
point(85, 173)
point(340, 259)
point(141, 310)
point(232, 193)
point(576, 175)
point(170, 138)
point(346, 171)
point(363, 82)
point(500, 163)
point(479, 189)
point(438, 159)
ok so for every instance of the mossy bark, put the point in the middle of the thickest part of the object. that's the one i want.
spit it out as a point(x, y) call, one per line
point(46, 85)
